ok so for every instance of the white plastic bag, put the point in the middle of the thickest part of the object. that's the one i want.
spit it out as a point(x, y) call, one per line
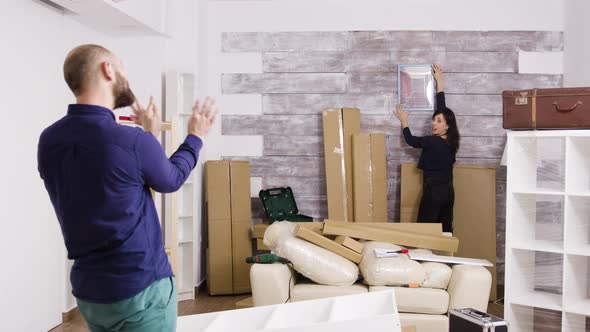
point(318, 264)
point(389, 271)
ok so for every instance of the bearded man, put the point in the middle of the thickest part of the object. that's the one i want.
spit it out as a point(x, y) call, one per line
point(98, 174)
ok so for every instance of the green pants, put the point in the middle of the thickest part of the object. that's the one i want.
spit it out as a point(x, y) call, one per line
point(154, 309)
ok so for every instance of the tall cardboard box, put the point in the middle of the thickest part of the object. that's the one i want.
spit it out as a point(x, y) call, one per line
point(474, 213)
point(241, 216)
point(370, 177)
point(227, 186)
point(339, 126)
point(218, 205)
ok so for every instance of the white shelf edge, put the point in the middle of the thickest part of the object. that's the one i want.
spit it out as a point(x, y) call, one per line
point(536, 247)
point(185, 242)
point(578, 252)
point(185, 216)
point(575, 311)
point(539, 192)
point(578, 194)
point(535, 303)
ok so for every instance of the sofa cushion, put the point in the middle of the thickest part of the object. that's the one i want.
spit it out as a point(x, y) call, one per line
point(425, 323)
point(418, 300)
point(309, 291)
point(389, 271)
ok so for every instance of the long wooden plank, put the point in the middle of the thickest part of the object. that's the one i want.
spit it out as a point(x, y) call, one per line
point(411, 239)
point(328, 244)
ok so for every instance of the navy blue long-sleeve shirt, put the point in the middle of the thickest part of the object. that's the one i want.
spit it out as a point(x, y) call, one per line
point(98, 175)
point(436, 159)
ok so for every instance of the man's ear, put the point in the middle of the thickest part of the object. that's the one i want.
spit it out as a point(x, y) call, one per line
point(107, 70)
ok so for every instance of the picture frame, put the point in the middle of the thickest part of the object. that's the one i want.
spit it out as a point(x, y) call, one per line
point(416, 87)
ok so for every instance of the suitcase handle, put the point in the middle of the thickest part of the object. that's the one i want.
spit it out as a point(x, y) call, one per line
point(568, 109)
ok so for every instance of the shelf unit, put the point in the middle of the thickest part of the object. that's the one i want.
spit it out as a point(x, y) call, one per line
point(184, 216)
point(548, 231)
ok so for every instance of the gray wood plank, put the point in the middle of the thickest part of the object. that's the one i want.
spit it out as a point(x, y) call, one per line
point(390, 40)
point(463, 104)
point(282, 145)
point(421, 124)
point(372, 83)
point(301, 186)
point(498, 40)
point(325, 62)
point(242, 41)
point(495, 83)
point(315, 103)
point(283, 83)
point(284, 41)
point(306, 41)
point(310, 125)
point(283, 166)
point(459, 62)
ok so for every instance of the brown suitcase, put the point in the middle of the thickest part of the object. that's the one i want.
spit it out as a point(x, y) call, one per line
point(562, 108)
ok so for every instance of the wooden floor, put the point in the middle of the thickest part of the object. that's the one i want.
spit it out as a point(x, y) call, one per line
point(204, 304)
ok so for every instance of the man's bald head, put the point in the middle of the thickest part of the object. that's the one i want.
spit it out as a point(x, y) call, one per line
point(82, 64)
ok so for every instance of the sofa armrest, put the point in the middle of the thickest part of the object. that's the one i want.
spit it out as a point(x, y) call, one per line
point(271, 283)
point(470, 287)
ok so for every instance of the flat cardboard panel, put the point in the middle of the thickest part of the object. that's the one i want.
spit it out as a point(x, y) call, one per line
point(408, 328)
point(241, 249)
point(474, 215)
point(259, 229)
point(339, 126)
point(409, 239)
point(241, 209)
point(351, 118)
point(335, 165)
point(363, 191)
point(350, 243)
point(219, 262)
point(217, 190)
point(328, 244)
point(423, 228)
point(411, 192)
point(379, 177)
point(245, 303)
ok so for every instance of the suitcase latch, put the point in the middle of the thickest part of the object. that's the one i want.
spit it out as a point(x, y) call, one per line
point(522, 100)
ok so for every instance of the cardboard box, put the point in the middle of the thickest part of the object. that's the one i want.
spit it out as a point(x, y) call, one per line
point(241, 203)
point(219, 259)
point(370, 178)
point(349, 243)
point(261, 246)
point(227, 195)
point(259, 229)
point(241, 249)
point(410, 239)
point(474, 213)
point(339, 126)
point(328, 244)
point(217, 190)
point(409, 328)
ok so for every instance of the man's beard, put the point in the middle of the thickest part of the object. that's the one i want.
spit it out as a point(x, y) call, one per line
point(124, 97)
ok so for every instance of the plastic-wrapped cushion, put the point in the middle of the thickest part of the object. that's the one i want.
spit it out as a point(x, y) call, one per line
point(389, 271)
point(318, 264)
point(438, 275)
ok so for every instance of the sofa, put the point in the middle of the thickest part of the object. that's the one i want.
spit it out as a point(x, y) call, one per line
point(425, 308)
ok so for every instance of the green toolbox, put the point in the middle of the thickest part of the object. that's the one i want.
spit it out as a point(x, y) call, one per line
point(279, 204)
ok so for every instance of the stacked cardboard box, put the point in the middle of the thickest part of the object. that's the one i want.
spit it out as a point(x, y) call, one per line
point(339, 127)
point(229, 222)
point(370, 178)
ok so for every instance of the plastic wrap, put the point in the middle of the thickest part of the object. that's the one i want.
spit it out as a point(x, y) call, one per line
point(390, 271)
point(318, 264)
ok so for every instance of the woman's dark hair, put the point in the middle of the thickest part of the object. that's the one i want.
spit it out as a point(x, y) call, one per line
point(453, 136)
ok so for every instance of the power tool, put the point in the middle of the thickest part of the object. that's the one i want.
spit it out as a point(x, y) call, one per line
point(267, 259)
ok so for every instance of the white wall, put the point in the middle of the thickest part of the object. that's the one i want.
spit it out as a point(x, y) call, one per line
point(36, 39)
point(577, 43)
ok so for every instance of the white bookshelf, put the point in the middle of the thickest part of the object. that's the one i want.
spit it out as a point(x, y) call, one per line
point(548, 230)
point(180, 93)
